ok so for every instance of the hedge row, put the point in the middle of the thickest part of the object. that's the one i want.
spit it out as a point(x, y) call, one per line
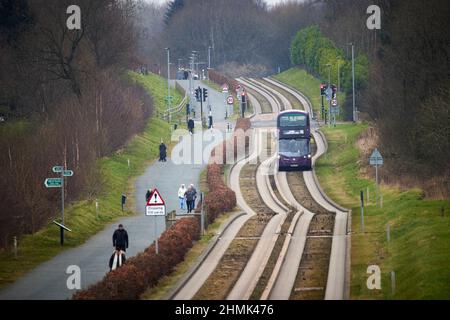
point(220, 198)
point(220, 79)
point(144, 270)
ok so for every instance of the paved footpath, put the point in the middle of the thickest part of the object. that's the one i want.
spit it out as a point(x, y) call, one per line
point(48, 280)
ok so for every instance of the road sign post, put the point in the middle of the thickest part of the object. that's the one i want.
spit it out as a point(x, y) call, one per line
point(376, 160)
point(59, 183)
point(155, 207)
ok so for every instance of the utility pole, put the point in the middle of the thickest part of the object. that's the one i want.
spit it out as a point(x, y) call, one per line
point(355, 112)
point(339, 75)
point(209, 60)
point(168, 84)
point(329, 87)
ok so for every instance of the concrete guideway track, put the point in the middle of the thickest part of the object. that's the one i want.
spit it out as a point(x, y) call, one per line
point(283, 276)
point(335, 289)
point(199, 276)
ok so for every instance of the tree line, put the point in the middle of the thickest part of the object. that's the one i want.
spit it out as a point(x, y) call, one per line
point(65, 101)
point(320, 56)
point(407, 92)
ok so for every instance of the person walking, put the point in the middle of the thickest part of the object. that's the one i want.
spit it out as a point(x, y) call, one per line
point(120, 243)
point(191, 195)
point(191, 126)
point(181, 196)
point(162, 152)
point(120, 239)
point(148, 195)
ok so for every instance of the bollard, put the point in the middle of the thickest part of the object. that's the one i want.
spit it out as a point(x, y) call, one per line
point(362, 211)
point(202, 216)
point(393, 282)
point(128, 161)
point(388, 233)
point(15, 247)
point(96, 209)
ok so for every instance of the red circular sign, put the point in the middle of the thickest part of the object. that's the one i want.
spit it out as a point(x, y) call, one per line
point(230, 100)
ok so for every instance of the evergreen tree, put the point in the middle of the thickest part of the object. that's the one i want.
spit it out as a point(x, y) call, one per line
point(172, 8)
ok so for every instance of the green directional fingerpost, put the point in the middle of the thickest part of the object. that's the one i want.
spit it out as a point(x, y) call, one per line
point(58, 169)
point(59, 183)
point(67, 173)
point(53, 183)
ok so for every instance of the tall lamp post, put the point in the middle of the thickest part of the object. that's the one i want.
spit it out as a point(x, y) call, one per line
point(209, 60)
point(329, 88)
point(168, 84)
point(355, 112)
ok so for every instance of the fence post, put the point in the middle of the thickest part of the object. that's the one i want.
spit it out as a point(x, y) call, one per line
point(202, 216)
point(15, 247)
point(393, 284)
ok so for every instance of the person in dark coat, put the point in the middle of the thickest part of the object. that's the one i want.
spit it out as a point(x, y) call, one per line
point(148, 195)
point(162, 152)
point(120, 239)
point(191, 126)
point(191, 195)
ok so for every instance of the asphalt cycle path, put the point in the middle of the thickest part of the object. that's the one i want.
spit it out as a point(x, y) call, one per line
point(48, 281)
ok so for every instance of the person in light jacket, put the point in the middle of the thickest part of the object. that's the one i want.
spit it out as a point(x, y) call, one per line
point(181, 196)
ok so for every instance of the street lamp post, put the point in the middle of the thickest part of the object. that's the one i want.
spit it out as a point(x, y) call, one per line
point(355, 112)
point(329, 88)
point(168, 84)
point(339, 75)
point(209, 60)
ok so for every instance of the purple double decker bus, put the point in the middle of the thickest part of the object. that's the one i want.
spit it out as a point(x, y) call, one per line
point(294, 135)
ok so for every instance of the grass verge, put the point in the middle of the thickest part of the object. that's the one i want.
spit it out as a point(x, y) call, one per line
point(81, 216)
point(419, 247)
point(308, 85)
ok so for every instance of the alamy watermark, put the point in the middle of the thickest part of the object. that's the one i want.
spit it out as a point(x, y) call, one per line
point(374, 20)
point(374, 280)
point(74, 279)
point(73, 22)
point(207, 147)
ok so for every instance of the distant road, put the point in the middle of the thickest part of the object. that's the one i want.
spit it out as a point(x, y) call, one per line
point(48, 281)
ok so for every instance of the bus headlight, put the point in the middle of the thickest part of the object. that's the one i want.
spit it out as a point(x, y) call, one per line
point(309, 156)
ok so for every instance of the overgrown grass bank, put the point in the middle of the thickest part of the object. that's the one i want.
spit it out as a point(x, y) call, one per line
point(308, 85)
point(419, 249)
point(117, 178)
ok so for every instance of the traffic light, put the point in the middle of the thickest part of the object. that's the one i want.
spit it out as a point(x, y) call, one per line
point(243, 97)
point(198, 93)
point(334, 89)
point(323, 88)
point(205, 94)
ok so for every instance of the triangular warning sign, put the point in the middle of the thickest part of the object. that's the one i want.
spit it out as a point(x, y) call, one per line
point(155, 199)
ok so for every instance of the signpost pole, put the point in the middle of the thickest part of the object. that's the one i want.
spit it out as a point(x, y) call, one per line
point(202, 217)
point(376, 181)
point(62, 205)
point(362, 211)
point(156, 237)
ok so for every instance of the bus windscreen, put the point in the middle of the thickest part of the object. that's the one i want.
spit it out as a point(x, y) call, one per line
point(293, 120)
point(293, 147)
